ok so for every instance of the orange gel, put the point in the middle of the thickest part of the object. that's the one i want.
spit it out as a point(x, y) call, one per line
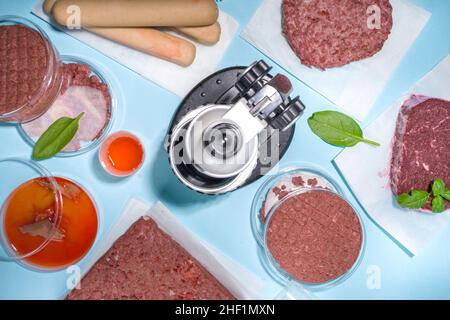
point(121, 154)
point(34, 202)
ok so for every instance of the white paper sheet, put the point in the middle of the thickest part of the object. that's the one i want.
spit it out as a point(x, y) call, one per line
point(354, 87)
point(366, 170)
point(174, 78)
point(240, 282)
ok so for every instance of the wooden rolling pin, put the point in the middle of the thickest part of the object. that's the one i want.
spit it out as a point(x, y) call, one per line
point(48, 6)
point(147, 40)
point(205, 35)
point(151, 41)
point(138, 13)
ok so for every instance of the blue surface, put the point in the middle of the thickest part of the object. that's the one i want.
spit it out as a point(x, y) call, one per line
point(146, 110)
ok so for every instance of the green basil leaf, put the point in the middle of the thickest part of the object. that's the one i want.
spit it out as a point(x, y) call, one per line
point(438, 187)
point(414, 200)
point(337, 129)
point(56, 137)
point(446, 194)
point(438, 205)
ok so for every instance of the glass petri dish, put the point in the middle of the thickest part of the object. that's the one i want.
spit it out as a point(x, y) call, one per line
point(260, 223)
point(85, 89)
point(37, 230)
point(17, 214)
point(33, 75)
point(80, 222)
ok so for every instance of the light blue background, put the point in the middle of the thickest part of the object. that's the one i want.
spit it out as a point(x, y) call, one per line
point(146, 110)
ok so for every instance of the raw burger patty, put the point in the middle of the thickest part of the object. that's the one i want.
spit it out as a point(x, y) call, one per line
point(145, 263)
point(23, 65)
point(315, 236)
point(332, 33)
point(288, 185)
point(421, 148)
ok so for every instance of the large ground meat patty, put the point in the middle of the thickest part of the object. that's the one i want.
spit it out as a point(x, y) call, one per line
point(315, 236)
point(26, 58)
point(145, 263)
point(23, 65)
point(289, 184)
point(421, 148)
point(332, 33)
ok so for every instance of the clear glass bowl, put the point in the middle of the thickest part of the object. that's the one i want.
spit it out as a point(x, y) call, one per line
point(42, 98)
point(103, 154)
point(259, 227)
point(87, 145)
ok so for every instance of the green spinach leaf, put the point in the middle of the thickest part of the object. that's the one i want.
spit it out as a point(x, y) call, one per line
point(438, 187)
point(56, 137)
point(446, 194)
point(438, 205)
point(337, 129)
point(414, 200)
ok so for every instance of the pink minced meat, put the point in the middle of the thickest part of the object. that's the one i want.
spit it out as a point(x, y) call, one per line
point(23, 65)
point(145, 263)
point(25, 59)
point(421, 147)
point(315, 236)
point(332, 33)
point(80, 92)
point(288, 185)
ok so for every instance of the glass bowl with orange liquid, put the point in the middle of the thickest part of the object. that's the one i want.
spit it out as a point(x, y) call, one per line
point(47, 223)
point(121, 154)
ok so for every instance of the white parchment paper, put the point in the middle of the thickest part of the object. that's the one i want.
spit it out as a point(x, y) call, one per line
point(354, 87)
point(174, 78)
point(240, 282)
point(366, 170)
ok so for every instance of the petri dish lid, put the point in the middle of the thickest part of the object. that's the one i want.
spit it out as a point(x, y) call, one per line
point(31, 205)
point(85, 88)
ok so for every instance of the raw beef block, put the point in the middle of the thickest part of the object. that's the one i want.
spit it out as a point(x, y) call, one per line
point(421, 147)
